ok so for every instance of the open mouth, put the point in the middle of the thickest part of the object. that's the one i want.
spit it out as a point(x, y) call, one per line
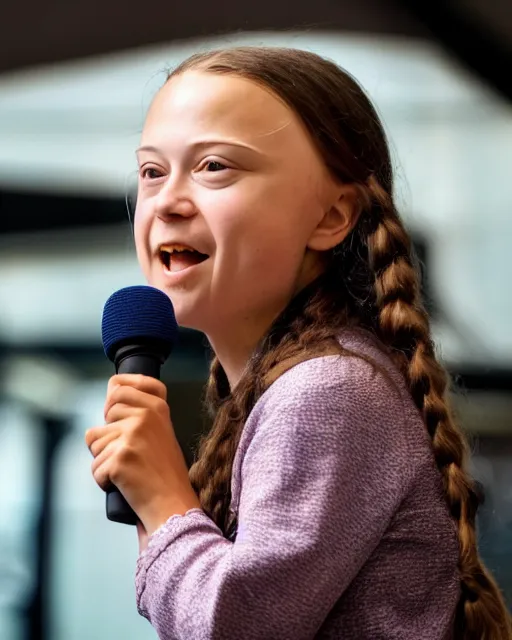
point(177, 257)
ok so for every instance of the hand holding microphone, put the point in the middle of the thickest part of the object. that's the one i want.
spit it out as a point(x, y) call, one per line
point(137, 458)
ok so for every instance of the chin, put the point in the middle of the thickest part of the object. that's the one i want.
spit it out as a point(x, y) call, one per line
point(189, 305)
point(188, 312)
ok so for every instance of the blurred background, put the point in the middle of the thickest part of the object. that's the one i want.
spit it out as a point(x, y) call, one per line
point(75, 82)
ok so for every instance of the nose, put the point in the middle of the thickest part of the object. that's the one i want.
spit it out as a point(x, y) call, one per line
point(174, 201)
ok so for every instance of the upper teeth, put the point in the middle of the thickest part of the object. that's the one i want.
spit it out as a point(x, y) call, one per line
point(171, 248)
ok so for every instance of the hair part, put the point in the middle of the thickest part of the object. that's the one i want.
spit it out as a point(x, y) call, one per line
point(371, 281)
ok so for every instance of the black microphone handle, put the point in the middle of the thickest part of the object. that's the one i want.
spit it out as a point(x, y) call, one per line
point(135, 359)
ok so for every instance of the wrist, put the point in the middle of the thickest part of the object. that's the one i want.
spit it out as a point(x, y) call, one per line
point(158, 511)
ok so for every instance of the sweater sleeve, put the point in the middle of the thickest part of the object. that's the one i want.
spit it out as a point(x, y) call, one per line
point(325, 468)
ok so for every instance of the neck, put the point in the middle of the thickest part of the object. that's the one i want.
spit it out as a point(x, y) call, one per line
point(235, 344)
point(235, 347)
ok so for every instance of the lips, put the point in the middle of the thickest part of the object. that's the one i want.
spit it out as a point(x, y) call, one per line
point(177, 257)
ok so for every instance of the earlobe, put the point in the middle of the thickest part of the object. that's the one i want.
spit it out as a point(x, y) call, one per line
point(338, 221)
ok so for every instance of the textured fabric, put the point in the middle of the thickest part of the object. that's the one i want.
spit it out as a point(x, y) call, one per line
point(343, 531)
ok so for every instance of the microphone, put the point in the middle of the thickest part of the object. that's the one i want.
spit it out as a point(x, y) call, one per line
point(138, 330)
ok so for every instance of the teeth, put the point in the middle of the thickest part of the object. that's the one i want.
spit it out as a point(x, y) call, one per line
point(171, 248)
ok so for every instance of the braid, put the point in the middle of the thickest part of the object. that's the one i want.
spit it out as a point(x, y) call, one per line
point(303, 323)
point(402, 324)
point(210, 475)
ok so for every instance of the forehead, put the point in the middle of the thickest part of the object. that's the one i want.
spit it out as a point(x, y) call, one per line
point(221, 103)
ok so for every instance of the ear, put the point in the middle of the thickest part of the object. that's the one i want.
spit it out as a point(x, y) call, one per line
point(338, 220)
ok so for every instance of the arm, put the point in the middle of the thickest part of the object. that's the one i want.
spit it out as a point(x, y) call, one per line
point(324, 471)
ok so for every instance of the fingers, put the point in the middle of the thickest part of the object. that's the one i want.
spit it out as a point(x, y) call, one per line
point(147, 384)
point(122, 410)
point(101, 465)
point(102, 442)
point(130, 398)
point(99, 444)
point(134, 402)
point(111, 453)
point(109, 466)
point(96, 433)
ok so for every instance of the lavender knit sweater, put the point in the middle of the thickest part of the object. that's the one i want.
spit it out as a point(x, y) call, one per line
point(343, 529)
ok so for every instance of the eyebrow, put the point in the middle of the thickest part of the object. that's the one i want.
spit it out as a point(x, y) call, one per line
point(148, 148)
point(201, 144)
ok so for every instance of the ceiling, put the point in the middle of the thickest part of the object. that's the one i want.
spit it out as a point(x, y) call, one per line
point(478, 32)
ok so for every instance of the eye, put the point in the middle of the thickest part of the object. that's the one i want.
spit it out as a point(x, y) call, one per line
point(213, 166)
point(150, 173)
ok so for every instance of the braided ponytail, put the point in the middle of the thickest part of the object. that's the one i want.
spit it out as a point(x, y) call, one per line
point(403, 325)
point(210, 475)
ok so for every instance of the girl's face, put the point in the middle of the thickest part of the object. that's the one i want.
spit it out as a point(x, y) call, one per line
point(228, 170)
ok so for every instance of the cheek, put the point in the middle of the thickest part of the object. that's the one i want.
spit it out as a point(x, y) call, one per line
point(141, 230)
point(268, 217)
point(258, 237)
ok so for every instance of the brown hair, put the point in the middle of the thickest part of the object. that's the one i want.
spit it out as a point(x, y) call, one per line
point(370, 281)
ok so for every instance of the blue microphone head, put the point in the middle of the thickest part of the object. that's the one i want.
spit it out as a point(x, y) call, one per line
point(138, 314)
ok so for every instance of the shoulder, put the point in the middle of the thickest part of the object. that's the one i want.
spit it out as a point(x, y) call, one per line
point(350, 393)
point(338, 418)
point(361, 376)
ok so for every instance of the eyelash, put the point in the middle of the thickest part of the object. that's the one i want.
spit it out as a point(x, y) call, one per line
point(217, 163)
point(145, 170)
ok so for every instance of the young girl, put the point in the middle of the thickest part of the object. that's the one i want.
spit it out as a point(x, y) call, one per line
point(330, 499)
